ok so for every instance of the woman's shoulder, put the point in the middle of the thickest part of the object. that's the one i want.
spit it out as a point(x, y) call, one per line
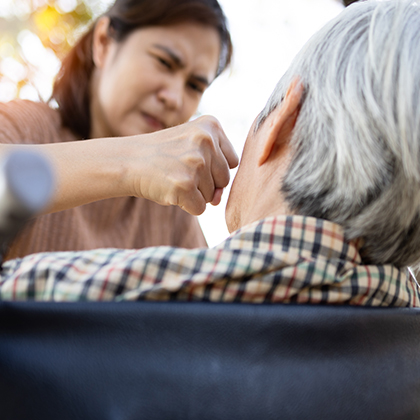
point(20, 110)
point(29, 122)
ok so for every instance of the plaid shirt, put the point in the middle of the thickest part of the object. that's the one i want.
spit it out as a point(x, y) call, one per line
point(279, 259)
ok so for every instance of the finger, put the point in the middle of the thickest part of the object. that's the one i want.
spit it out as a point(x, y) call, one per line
point(217, 198)
point(193, 203)
point(220, 169)
point(228, 151)
point(206, 184)
point(221, 139)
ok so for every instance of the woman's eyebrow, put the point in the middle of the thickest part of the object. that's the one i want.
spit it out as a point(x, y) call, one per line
point(174, 56)
point(179, 63)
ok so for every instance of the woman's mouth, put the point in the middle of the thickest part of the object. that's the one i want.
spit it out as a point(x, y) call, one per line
point(153, 122)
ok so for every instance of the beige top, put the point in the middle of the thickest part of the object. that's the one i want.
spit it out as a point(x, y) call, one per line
point(126, 222)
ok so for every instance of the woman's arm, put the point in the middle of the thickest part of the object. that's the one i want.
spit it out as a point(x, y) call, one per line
point(187, 165)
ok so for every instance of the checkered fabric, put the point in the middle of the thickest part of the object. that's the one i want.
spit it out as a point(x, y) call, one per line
point(279, 259)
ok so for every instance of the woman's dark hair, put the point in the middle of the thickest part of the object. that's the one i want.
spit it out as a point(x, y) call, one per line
point(72, 87)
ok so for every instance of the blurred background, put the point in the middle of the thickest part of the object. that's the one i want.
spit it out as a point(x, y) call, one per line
point(36, 34)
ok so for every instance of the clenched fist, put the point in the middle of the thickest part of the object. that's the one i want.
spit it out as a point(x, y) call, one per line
point(187, 165)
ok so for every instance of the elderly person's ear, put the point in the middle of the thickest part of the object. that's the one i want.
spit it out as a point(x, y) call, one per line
point(283, 121)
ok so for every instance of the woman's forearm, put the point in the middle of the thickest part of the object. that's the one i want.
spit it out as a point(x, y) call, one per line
point(84, 171)
point(185, 165)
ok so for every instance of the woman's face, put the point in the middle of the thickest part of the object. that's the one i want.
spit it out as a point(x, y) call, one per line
point(152, 80)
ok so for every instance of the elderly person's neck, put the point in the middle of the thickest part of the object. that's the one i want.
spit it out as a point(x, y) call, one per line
point(265, 196)
point(256, 190)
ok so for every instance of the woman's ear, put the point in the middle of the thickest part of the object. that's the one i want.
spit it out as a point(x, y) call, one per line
point(283, 120)
point(101, 41)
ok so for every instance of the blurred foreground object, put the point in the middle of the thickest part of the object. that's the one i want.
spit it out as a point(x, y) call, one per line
point(208, 361)
point(26, 187)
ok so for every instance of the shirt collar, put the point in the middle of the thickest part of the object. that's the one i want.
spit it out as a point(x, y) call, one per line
point(307, 236)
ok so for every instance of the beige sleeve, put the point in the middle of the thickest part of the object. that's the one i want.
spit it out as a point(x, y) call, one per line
point(26, 122)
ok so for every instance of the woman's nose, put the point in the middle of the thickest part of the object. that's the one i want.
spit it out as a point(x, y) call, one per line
point(171, 94)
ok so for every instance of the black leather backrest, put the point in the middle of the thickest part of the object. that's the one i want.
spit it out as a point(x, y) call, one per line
point(146, 360)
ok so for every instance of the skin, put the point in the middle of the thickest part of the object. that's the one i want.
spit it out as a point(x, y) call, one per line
point(152, 80)
point(255, 192)
point(186, 165)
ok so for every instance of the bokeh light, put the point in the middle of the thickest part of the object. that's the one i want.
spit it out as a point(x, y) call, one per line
point(35, 35)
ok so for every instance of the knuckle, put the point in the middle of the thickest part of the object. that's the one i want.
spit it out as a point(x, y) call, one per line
point(208, 123)
point(195, 161)
point(181, 185)
point(212, 120)
point(204, 140)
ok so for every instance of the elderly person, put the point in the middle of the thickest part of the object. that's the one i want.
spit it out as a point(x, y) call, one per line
point(325, 207)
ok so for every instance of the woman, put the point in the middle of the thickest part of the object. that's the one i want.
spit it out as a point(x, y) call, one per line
point(141, 69)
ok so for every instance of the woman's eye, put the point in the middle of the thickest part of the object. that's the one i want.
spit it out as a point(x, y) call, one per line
point(165, 62)
point(196, 87)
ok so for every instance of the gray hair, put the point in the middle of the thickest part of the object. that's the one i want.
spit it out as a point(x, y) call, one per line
point(356, 144)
